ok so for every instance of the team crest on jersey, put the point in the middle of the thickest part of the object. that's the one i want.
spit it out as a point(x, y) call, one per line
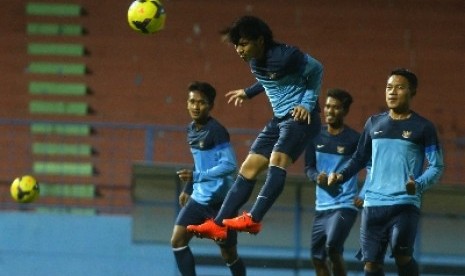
point(340, 149)
point(406, 134)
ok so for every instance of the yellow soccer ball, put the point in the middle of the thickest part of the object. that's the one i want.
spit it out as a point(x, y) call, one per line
point(146, 16)
point(24, 189)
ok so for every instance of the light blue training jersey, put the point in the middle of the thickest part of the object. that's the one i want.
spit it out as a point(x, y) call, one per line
point(289, 78)
point(214, 162)
point(329, 153)
point(398, 149)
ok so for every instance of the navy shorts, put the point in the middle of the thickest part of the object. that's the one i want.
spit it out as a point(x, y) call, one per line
point(287, 136)
point(330, 231)
point(194, 213)
point(383, 226)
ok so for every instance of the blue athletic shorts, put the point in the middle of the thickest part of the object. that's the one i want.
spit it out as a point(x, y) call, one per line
point(194, 213)
point(381, 226)
point(330, 231)
point(287, 136)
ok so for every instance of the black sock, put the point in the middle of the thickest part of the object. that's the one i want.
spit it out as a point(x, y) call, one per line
point(237, 267)
point(238, 195)
point(379, 272)
point(185, 260)
point(409, 269)
point(274, 185)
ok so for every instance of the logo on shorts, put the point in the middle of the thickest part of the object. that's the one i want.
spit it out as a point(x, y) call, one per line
point(320, 146)
point(201, 144)
point(340, 149)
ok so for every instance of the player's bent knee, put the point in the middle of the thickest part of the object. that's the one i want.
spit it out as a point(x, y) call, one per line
point(253, 166)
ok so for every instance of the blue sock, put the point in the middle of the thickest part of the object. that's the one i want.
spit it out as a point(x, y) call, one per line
point(409, 269)
point(237, 267)
point(237, 196)
point(185, 260)
point(273, 187)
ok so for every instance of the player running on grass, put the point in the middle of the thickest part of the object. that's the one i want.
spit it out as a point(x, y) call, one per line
point(291, 80)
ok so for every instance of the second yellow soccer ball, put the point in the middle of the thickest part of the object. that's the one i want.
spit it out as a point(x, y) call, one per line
point(24, 189)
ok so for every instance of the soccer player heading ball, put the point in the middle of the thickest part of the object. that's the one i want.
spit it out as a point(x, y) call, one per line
point(291, 80)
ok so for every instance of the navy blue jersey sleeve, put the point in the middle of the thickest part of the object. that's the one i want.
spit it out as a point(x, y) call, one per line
point(254, 90)
point(434, 157)
point(361, 157)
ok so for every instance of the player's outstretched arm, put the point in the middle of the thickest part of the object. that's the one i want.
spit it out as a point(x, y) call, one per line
point(236, 96)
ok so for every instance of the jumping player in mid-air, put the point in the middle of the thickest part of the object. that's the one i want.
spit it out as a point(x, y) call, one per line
point(291, 80)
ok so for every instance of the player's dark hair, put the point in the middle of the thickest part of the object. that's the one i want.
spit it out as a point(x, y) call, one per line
point(341, 95)
point(207, 89)
point(248, 27)
point(410, 76)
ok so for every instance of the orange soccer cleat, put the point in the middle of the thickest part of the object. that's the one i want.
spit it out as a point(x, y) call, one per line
point(209, 229)
point(243, 223)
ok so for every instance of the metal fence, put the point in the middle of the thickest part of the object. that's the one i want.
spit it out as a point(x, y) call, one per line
point(98, 178)
point(100, 155)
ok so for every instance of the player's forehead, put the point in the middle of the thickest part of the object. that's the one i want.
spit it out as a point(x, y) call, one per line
point(244, 41)
point(397, 80)
point(196, 95)
point(331, 101)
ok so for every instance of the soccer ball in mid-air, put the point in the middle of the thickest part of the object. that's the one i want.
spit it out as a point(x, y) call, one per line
point(146, 16)
point(24, 189)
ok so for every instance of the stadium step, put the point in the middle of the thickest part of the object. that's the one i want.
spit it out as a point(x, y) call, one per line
point(58, 108)
point(67, 210)
point(67, 190)
point(57, 88)
point(54, 29)
point(61, 129)
point(56, 68)
point(56, 49)
point(53, 9)
point(63, 168)
point(62, 149)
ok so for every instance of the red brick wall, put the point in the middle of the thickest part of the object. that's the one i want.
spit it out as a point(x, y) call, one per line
point(142, 78)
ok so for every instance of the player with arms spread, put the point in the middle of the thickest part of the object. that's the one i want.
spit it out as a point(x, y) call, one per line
point(398, 143)
point(336, 207)
point(291, 80)
point(209, 181)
